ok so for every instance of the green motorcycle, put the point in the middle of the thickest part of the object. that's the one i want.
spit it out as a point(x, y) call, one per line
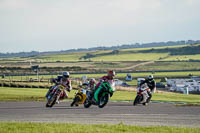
point(105, 91)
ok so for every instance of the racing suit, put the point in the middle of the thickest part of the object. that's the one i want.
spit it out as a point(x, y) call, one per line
point(151, 84)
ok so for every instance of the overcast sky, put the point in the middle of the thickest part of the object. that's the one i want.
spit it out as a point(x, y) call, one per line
point(46, 25)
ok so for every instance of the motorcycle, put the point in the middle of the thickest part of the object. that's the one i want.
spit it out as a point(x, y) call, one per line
point(52, 96)
point(80, 95)
point(106, 91)
point(142, 95)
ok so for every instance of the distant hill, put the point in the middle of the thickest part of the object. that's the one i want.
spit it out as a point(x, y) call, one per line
point(115, 48)
point(186, 50)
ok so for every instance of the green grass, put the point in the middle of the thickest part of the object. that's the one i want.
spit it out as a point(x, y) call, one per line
point(161, 96)
point(170, 66)
point(141, 49)
point(124, 55)
point(182, 58)
point(131, 57)
point(36, 94)
point(28, 127)
point(119, 75)
point(59, 57)
point(161, 74)
point(25, 94)
point(22, 94)
point(108, 65)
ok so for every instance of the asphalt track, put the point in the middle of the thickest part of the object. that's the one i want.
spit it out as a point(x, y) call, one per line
point(155, 114)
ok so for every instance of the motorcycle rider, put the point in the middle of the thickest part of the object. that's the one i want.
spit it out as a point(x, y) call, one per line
point(92, 86)
point(65, 82)
point(109, 78)
point(151, 84)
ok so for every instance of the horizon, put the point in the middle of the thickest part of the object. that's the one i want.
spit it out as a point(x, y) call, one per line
point(104, 46)
point(29, 25)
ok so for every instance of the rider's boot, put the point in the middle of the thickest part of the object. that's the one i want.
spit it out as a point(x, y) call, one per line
point(149, 98)
point(57, 99)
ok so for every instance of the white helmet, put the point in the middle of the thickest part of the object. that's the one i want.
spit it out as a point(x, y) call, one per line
point(66, 74)
point(150, 77)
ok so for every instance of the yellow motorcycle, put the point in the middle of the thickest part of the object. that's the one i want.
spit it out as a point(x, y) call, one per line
point(80, 95)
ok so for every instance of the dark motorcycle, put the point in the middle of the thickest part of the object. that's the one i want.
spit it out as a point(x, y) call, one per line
point(142, 96)
point(106, 91)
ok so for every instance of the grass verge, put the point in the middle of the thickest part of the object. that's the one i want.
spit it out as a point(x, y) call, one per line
point(25, 94)
point(28, 127)
point(37, 94)
point(160, 96)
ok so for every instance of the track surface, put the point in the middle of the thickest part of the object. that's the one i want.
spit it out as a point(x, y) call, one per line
point(161, 114)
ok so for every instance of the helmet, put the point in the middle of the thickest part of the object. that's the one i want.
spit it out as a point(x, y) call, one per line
point(92, 81)
point(111, 73)
point(150, 77)
point(65, 74)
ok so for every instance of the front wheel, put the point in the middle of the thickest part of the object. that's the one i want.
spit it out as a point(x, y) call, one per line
point(104, 100)
point(137, 100)
point(76, 99)
point(51, 101)
point(87, 103)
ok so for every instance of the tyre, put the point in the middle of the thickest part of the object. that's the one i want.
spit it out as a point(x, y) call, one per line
point(76, 100)
point(87, 103)
point(104, 100)
point(137, 100)
point(51, 101)
point(145, 104)
point(47, 105)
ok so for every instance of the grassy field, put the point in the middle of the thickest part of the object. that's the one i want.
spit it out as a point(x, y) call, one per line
point(124, 55)
point(36, 94)
point(141, 49)
point(160, 96)
point(182, 58)
point(131, 57)
point(28, 127)
point(59, 57)
point(170, 66)
point(25, 94)
point(118, 76)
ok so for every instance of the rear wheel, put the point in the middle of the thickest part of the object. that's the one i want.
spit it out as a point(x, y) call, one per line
point(103, 100)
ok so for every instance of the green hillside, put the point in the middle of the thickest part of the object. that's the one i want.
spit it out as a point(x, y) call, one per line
point(172, 53)
point(178, 53)
point(184, 57)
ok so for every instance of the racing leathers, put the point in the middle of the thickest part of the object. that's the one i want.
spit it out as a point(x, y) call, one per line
point(151, 84)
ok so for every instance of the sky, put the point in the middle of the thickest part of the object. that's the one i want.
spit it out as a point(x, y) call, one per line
point(51, 25)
